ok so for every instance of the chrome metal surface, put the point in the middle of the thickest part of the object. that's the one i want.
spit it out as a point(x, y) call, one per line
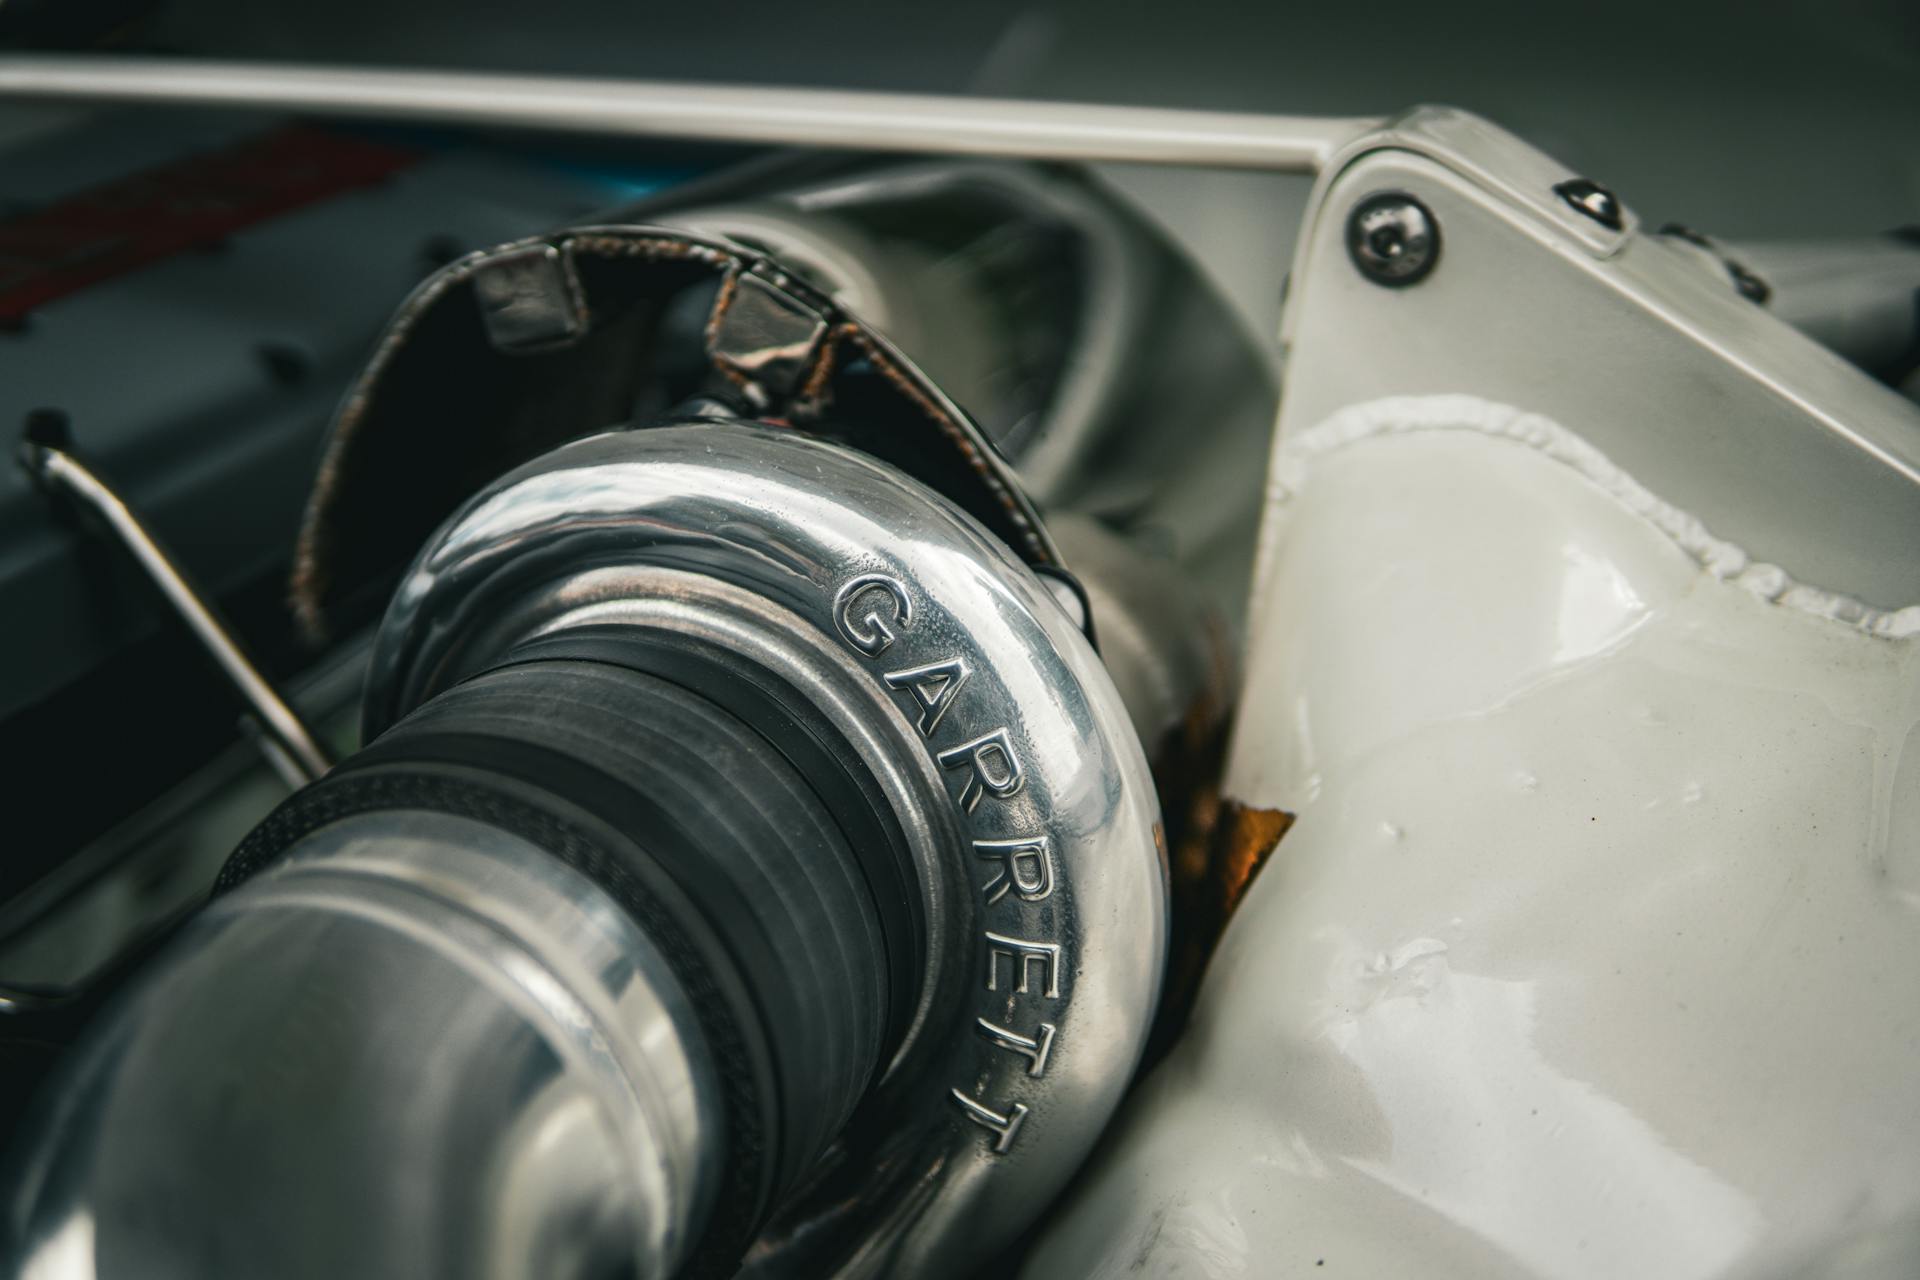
point(530, 299)
point(1771, 441)
point(700, 613)
point(1392, 239)
point(298, 751)
point(1592, 199)
point(1002, 744)
point(709, 113)
point(416, 1023)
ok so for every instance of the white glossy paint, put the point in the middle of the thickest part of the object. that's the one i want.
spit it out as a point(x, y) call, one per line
point(1595, 950)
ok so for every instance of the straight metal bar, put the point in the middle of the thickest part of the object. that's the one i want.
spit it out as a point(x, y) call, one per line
point(832, 118)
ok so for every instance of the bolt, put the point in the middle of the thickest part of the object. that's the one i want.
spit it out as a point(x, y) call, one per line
point(1745, 282)
point(1393, 239)
point(1594, 200)
point(1748, 285)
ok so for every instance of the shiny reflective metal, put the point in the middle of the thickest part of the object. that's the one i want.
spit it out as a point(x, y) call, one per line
point(1027, 800)
point(291, 746)
point(445, 1052)
point(1592, 199)
point(530, 299)
point(1392, 239)
point(767, 337)
point(712, 113)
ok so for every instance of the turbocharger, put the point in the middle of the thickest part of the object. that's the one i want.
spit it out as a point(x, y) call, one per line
point(752, 861)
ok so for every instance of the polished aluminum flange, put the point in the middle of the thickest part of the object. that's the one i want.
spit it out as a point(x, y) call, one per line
point(962, 687)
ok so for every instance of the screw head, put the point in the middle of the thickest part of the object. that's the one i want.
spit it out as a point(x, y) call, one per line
point(1748, 285)
point(1393, 239)
point(1594, 200)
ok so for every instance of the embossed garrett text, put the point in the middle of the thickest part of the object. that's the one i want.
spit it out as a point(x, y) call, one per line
point(871, 612)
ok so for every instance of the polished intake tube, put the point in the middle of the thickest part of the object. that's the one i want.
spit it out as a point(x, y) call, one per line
point(570, 973)
point(420, 1047)
point(750, 852)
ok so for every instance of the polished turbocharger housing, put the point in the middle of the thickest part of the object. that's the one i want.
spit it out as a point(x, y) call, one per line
point(912, 662)
point(752, 863)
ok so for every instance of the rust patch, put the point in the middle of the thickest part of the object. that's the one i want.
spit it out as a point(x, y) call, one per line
point(811, 400)
point(729, 285)
point(1243, 839)
point(1217, 847)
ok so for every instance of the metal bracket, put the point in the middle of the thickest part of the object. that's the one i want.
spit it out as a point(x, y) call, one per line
point(1770, 440)
point(764, 337)
point(530, 299)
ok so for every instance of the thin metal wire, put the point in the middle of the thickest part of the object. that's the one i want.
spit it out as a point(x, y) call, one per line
point(62, 472)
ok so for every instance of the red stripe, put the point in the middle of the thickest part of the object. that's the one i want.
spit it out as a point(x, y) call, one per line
point(122, 225)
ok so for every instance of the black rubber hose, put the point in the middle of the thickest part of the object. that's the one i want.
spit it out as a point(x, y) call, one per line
point(710, 836)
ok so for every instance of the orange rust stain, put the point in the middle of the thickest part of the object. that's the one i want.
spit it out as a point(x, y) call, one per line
point(1244, 842)
point(1216, 847)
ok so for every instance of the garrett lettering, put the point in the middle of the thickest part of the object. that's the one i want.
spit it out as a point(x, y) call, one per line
point(933, 686)
point(1024, 955)
point(992, 767)
point(1033, 1048)
point(867, 610)
point(1026, 868)
point(1003, 1126)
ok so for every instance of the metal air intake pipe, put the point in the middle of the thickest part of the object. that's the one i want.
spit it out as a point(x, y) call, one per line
point(752, 864)
point(735, 801)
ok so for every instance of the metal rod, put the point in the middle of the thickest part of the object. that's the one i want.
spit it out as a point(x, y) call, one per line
point(61, 471)
point(708, 113)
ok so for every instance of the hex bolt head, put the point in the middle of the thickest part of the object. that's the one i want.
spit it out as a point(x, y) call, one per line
point(1594, 200)
point(1393, 239)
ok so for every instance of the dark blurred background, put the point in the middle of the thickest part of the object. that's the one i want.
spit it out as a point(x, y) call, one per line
point(1747, 121)
point(1757, 119)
